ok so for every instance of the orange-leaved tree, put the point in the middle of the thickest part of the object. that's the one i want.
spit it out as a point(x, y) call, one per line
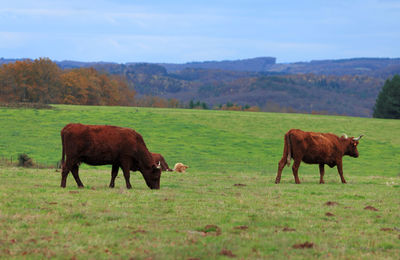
point(42, 81)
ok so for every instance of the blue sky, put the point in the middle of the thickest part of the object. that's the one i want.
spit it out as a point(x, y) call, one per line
point(183, 31)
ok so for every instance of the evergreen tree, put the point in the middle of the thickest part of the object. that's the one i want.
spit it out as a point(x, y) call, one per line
point(388, 102)
point(191, 104)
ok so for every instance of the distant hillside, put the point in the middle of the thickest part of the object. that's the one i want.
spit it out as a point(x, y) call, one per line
point(345, 95)
point(255, 65)
point(348, 86)
point(377, 67)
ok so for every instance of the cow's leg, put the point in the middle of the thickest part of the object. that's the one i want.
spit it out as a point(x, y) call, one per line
point(321, 173)
point(64, 175)
point(125, 169)
point(281, 165)
point(114, 173)
point(75, 173)
point(340, 170)
point(295, 170)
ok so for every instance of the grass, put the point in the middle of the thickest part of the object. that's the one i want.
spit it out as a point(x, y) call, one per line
point(206, 140)
point(256, 219)
point(39, 219)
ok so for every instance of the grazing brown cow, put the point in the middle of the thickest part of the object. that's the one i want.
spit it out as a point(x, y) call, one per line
point(159, 160)
point(316, 148)
point(102, 144)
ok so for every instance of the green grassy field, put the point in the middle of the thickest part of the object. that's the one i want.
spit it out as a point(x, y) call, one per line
point(233, 159)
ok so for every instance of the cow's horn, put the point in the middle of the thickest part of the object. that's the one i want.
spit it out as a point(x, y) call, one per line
point(358, 138)
point(159, 165)
point(344, 135)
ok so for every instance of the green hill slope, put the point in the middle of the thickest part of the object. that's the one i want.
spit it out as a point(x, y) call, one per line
point(223, 141)
point(226, 205)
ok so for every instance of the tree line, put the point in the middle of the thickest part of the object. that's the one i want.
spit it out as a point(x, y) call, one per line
point(42, 81)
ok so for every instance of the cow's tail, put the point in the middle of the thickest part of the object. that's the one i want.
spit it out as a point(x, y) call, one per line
point(288, 148)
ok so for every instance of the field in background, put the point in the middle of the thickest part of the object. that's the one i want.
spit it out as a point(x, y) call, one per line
point(223, 141)
point(229, 187)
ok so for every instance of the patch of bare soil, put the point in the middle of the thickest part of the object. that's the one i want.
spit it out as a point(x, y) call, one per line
point(331, 203)
point(387, 229)
point(241, 227)
point(288, 229)
point(212, 230)
point(303, 245)
point(239, 185)
point(328, 214)
point(370, 208)
point(227, 253)
point(139, 231)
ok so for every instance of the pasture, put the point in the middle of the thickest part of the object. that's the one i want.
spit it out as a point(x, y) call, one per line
point(226, 205)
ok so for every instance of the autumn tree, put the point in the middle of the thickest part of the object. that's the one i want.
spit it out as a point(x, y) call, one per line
point(14, 79)
point(42, 81)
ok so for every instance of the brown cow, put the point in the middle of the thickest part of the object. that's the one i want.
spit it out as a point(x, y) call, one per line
point(159, 160)
point(100, 145)
point(316, 148)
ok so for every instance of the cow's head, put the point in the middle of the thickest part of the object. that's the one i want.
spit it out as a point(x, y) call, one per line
point(352, 143)
point(152, 176)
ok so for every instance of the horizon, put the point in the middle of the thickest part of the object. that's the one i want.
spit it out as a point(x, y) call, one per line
point(188, 62)
point(179, 32)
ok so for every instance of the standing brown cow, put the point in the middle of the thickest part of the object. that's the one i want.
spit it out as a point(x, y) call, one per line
point(316, 148)
point(103, 144)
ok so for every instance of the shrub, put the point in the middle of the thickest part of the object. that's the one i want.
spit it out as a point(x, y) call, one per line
point(25, 161)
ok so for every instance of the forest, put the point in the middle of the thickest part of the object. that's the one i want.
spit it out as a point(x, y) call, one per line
point(338, 87)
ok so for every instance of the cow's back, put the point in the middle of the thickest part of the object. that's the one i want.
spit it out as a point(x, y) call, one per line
point(314, 147)
point(100, 144)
